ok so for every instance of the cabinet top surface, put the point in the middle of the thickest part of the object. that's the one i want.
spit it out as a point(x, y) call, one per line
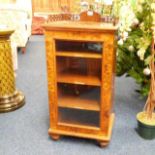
point(80, 26)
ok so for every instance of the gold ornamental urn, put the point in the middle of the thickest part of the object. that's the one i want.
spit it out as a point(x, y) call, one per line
point(10, 98)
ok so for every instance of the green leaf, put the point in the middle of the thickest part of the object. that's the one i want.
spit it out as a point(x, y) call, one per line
point(147, 60)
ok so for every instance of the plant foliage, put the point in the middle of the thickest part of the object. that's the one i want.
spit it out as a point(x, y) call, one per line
point(134, 44)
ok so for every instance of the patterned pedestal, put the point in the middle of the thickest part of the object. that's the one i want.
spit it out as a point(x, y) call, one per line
point(10, 98)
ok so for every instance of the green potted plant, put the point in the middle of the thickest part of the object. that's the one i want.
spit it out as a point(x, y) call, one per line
point(146, 119)
point(134, 44)
point(136, 56)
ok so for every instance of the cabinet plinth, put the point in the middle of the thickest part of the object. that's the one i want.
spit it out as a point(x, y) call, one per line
point(80, 69)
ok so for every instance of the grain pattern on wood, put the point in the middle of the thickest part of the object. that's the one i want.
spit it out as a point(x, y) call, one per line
point(83, 131)
point(107, 83)
point(52, 87)
point(99, 73)
point(81, 26)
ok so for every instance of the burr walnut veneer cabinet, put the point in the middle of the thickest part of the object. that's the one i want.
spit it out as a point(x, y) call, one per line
point(80, 68)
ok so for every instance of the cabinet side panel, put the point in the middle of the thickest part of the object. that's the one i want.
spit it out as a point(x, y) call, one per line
point(107, 82)
point(51, 77)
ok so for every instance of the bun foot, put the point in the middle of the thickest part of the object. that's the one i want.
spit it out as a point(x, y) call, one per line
point(55, 137)
point(103, 144)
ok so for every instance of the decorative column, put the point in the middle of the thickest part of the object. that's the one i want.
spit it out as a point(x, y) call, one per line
point(10, 98)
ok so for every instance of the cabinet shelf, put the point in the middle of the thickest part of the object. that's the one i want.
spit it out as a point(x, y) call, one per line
point(77, 78)
point(86, 99)
point(76, 103)
point(78, 54)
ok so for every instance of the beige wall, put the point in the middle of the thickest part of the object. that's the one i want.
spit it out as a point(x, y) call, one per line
point(7, 1)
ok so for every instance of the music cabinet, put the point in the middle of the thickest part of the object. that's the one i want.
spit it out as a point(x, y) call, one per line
point(80, 70)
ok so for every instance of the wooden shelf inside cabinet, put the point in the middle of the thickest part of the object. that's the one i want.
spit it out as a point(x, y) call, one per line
point(79, 55)
point(77, 78)
point(75, 68)
point(75, 103)
point(78, 71)
point(87, 98)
